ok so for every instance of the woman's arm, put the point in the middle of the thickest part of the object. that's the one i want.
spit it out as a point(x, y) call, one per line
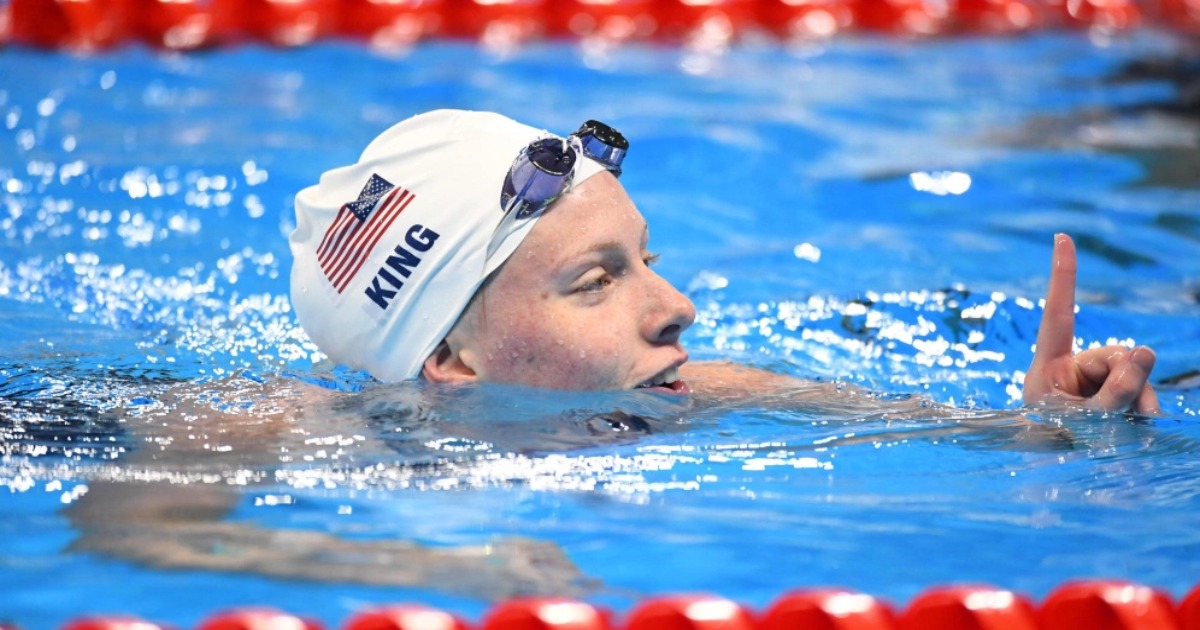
point(1111, 378)
point(869, 417)
point(171, 526)
point(163, 524)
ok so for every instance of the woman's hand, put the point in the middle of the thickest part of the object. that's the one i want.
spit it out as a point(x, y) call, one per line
point(1112, 378)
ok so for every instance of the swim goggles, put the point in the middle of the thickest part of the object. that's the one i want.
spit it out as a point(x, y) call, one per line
point(543, 171)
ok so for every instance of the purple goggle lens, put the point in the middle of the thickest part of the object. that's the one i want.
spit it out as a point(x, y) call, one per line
point(603, 144)
point(543, 170)
point(538, 176)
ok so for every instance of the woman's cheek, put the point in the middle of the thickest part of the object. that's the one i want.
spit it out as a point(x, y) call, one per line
point(576, 349)
point(574, 361)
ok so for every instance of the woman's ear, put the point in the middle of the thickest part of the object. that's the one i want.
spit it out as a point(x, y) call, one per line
point(445, 365)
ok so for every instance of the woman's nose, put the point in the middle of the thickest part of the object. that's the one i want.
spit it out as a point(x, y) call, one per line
point(670, 312)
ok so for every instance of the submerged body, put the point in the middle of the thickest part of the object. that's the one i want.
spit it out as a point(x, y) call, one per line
point(569, 303)
point(629, 340)
point(173, 503)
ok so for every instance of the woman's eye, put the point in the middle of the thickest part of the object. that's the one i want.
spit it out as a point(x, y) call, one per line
point(650, 259)
point(597, 284)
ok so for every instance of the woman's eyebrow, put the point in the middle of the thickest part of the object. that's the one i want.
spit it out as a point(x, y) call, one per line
point(605, 249)
point(584, 257)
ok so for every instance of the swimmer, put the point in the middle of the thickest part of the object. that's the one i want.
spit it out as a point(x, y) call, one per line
point(466, 247)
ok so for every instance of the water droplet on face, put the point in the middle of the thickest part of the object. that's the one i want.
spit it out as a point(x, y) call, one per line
point(582, 354)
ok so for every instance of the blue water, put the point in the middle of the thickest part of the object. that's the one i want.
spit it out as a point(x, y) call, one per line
point(873, 211)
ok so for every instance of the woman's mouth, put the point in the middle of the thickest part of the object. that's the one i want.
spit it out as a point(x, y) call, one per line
point(667, 381)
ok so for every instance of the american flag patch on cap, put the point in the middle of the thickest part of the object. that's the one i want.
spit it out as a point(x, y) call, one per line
point(358, 227)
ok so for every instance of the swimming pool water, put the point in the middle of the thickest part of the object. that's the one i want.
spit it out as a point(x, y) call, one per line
point(873, 211)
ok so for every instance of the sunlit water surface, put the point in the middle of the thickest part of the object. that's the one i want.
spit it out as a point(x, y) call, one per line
point(873, 212)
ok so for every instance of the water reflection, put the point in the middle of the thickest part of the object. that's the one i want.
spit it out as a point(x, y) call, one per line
point(152, 370)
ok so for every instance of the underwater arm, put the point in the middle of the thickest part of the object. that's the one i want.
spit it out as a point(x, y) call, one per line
point(168, 526)
point(179, 520)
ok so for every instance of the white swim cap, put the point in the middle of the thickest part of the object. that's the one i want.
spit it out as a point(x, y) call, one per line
point(389, 250)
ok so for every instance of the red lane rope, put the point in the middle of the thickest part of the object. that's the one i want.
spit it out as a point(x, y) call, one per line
point(190, 24)
point(1077, 605)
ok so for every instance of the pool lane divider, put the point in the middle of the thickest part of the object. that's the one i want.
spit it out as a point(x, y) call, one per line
point(1076, 605)
point(83, 25)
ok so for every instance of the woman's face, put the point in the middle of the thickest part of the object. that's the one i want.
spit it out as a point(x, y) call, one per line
point(577, 305)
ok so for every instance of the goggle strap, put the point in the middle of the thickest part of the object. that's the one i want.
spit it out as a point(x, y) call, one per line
point(573, 141)
point(510, 217)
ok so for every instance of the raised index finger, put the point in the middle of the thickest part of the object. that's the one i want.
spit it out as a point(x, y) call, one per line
point(1056, 337)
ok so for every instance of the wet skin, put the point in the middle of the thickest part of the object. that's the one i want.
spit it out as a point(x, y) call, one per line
point(1111, 378)
point(578, 307)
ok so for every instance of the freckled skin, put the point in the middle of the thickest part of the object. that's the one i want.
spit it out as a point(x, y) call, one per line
point(577, 306)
